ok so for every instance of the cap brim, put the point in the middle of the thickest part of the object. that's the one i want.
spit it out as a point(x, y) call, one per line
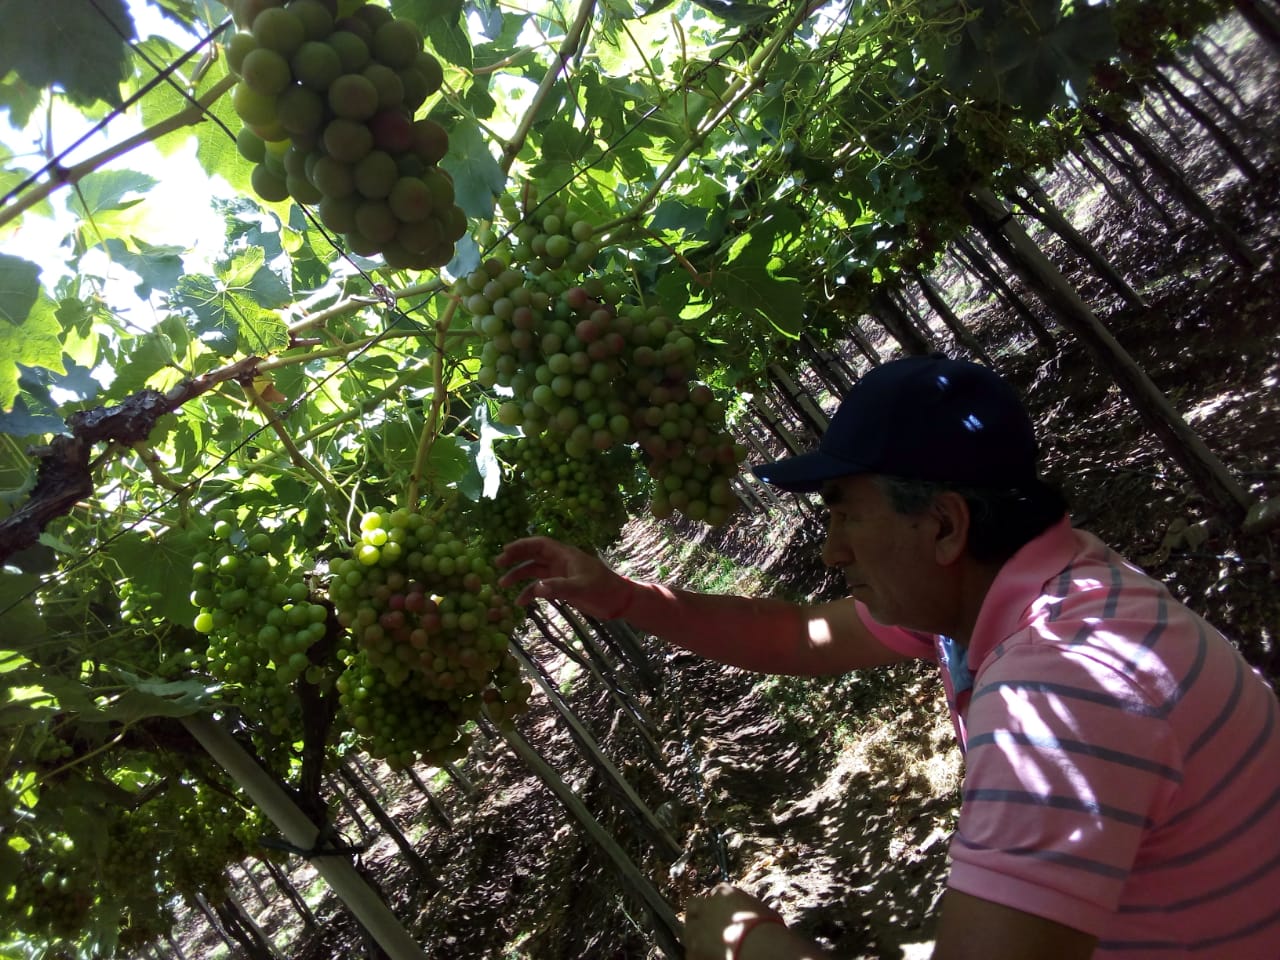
point(805, 473)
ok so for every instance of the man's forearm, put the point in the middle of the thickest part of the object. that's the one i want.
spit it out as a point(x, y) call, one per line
point(771, 636)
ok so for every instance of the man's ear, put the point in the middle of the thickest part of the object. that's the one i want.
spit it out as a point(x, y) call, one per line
point(951, 513)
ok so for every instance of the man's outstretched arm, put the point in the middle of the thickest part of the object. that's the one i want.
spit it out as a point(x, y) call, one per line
point(771, 636)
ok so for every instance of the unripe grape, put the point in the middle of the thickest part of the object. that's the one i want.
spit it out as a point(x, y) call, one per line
point(279, 30)
point(392, 131)
point(410, 199)
point(415, 89)
point(238, 47)
point(387, 84)
point(419, 237)
point(430, 141)
point(253, 107)
point(375, 175)
point(339, 213)
point(250, 145)
point(316, 18)
point(375, 221)
point(397, 43)
point(266, 71)
point(316, 65)
point(431, 71)
point(347, 140)
point(372, 16)
point(454, 224)
point(300, 111)
point(302, 190)
point(269, 186)
point(353, 96)
point(352, 51)
point(332, 177)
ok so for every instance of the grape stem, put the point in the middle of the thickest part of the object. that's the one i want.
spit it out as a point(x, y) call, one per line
point(286, 441)
point(756, 71)
point(569, 46)
point(155, 467)
point(437, 404)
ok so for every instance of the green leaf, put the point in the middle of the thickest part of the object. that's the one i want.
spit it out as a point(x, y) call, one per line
point(158, 268)
point(477, 177)
point(70, 44)
point(152, 698)
point(33, 342)
point(19, 98)
point(161, 565)
point(21, 422)
point(19, 287)
point(234, 309)
point(20, 624)
point(105, 190)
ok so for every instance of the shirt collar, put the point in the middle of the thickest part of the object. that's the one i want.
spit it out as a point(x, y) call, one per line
point(1017, 585)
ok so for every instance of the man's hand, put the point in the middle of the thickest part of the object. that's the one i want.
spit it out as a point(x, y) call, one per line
point(561, 572)
point(727, 924)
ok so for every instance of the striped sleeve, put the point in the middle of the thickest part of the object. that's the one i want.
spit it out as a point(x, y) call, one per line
point(1062, 778)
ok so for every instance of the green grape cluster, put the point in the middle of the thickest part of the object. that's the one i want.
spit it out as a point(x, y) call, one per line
point(50, 898)
point(258, 618)
point(590, 372)
point(578, 500)
point(429, 632)
point(497, 520)
point(328, 103)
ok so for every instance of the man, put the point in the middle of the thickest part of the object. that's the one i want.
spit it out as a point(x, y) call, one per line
point(1121, 795)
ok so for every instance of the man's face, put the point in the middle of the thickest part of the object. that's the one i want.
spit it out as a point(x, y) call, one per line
point(887, 558)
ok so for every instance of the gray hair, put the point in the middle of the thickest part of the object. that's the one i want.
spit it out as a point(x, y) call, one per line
point(1001, 519)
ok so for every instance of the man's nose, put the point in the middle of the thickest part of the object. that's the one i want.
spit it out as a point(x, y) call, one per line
point(834, 552)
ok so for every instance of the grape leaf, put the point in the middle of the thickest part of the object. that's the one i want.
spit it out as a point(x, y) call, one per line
point(19, 98)
point(19, 287)
point(20, 623)
point(105, 190)
point(33, 342)
point(71, 44)
point(21, 422)
point(154, 698)
point(477, 177)
point(161, 565)
point(233, 310)
point(157, 267)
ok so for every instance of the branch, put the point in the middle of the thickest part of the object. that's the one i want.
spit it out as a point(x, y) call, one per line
point(567, 49)
point(437, 402)
point(64, 476)
point(71, 175)
point(296, 455)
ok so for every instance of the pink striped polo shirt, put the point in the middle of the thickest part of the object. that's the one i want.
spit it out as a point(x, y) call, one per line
point(1122, 760)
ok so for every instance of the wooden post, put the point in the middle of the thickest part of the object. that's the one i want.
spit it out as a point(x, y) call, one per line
point(1183, 444)
point(666, 926)
point(363, 901)
point(658, 833)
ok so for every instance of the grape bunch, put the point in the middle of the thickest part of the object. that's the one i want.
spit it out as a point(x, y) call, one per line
point(588, 371)
point(258, 618)
point(497, 520)
point(328, 104)
point(577, 500)
point(429, 632)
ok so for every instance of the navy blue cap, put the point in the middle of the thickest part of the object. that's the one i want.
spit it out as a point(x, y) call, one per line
point(923, 418)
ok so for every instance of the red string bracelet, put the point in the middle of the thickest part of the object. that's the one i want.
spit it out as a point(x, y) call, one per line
point(747, 927)
point(632, 589)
